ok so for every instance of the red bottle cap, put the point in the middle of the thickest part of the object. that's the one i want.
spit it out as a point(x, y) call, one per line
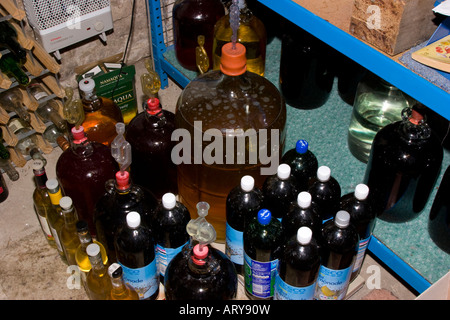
point(78, 134)
point(416, 117)
point(200, 253)
point(233, 61)
point(123, 180)
point(153, 106)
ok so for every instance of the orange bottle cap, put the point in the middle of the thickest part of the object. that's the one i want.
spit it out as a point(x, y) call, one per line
point(233, 61)
point(416, 117)
point(153, 106)
point(122, 179)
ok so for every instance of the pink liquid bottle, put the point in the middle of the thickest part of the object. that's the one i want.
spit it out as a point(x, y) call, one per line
point(82, 170)
point(149, 134)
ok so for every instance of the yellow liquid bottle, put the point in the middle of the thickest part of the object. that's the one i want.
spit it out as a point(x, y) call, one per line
point(41, 200)
point(69, 236)
point(251, 33)
point(54, 216)
point(98, 284)
point(81, 256)
point(120, 290)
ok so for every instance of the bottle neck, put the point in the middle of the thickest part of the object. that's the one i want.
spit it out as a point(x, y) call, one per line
point(70, 216)
point(97, 265)
point(40, 176)
point(55, 195)
point(91, 102)
point(82, 147)
point(85, 239)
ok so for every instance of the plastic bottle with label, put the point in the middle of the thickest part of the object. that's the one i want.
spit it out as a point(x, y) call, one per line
point(279, 191)
point(263, 240)
point(170, 219)
point(135, 251)
point(363, 218)
point(340, 245)
point(302, 213)
point(298, 268)
point(199, 271)
point(243, 203)
point(303, 163)
point(326, 192)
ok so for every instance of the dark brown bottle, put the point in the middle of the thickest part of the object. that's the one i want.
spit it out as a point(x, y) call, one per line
point(192, 18)
point(200, 273)
point(439, 221)
point(82, 171)
point(325, 192)
point(404, 163)
point(149, 134)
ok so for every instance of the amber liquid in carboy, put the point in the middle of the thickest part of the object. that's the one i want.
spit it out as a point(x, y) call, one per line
point(251, 104)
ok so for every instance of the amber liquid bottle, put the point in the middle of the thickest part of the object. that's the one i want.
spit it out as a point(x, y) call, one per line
point(83, 170)
point(69, 234)
point(120, 290)
point(192, 18)
point(149, 134)
point(245, 104)
point(100, 114)
point(98, 284)
point(54, 217)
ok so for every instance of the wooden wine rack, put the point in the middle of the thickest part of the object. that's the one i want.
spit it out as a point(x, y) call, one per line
point(42, 67)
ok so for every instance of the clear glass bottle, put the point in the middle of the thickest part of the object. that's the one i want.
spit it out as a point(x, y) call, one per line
point(303, 163)
point(135, 250)
point(243, 202)
point(298, 268)
point(12, 101)
point(149, 134)
point(170, 219)
point(363, 218)
point(121, 196)
point(340, 245)
point(230, 106)
point(54, 217)
point(325, 192)
point(91, 166)
point(10, 170)
point(120, 290)
point(191, 18)
point(404, 163)
point(251, 32)
point(48, 109)
point(263, 239)
point(69, 234)
point(377, 104)
point(100, 114)
point(98, 284)
point(279, 191)
point(41, 200)
point(81, 256)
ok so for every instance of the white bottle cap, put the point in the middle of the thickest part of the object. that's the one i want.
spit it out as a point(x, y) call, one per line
point(283, 171)
point(361, 191)
point(133, 219)
point(37, 164)
point(65, 202)
point(323, 173)
point(342, 219)
point(169, 201)
point(112, 268)
point(87, 85)
point(304, 199)
point(304, 235)
point(247, 183)
point(51, 184)
point(93, 249)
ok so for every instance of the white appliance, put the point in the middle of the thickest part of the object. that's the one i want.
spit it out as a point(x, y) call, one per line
point(60, 23)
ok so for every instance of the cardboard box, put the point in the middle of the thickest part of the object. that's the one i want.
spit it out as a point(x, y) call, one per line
point(124, 92)
point(440, 290)
point(393, 26)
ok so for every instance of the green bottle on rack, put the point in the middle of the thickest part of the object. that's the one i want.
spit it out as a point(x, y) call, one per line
point(12, 67)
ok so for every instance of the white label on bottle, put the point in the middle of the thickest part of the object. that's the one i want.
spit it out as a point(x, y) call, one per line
point(164, 256)
point(144, 280)
point(332, 284)
point(284, 291)
point(361, 253)
point(44, 225)
point(55, 236)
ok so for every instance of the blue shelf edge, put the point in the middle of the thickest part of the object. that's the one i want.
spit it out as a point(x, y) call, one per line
point(372, 59)
point(396, 264)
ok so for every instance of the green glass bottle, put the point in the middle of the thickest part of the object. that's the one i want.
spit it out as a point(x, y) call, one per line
point(11, 66)
point(8, 39)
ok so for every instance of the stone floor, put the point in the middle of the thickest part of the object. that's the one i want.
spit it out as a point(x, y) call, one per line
point(31, 270)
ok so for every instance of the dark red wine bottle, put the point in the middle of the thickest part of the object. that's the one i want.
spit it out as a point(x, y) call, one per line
point(404, 163)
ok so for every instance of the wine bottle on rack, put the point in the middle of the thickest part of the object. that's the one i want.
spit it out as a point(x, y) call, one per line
point(48, 108)
point(12, 67)
point(10, 170)
point(12, 101)
point(41, 200)
point(8, 39)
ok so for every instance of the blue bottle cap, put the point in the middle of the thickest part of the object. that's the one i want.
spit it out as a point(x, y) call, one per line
point(301, 146)
point(264, 216)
